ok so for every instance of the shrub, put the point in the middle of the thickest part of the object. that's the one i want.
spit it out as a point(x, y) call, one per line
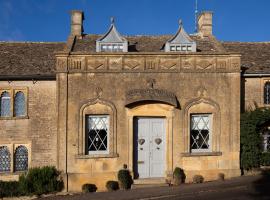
point(41, 181)
point(198, 179)
point(265, 159)
point(89, 188)
point(125, 179)
point(250, 143)
point(221, 176)
point(178, 176)
point(9, 189)
point(112, 185)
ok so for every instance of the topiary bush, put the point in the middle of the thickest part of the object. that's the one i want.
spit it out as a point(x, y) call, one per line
point(9, 189)
point(265, 159)
point(179, 176)
point(250, 141)
point(112, 185)
point(125, 179)
point(88, 187)
point(198, 179)
point(41, 180)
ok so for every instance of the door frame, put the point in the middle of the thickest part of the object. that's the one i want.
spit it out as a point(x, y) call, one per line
point(152, 110)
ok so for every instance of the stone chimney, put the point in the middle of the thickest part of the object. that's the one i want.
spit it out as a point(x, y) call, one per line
point(205, 23)
point(77, 18)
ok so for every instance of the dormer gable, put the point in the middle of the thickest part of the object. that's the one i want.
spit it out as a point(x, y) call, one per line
point(180, 42)
point(112, 41)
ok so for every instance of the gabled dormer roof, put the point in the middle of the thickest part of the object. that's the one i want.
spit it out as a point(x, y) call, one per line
point(111, 37)
point(180, 38)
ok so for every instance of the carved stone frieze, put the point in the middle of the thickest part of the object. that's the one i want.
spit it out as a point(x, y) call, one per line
point(149, 63)
point(97, 63)
point(169, 64)
point(205, 63)
point(133, 63)
point(115, 63)
point(139, 95)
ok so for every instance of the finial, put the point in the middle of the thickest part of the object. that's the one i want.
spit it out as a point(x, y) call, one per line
point(112, 20)
point(180, 22)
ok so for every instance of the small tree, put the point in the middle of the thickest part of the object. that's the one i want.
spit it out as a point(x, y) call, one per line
point(250, 143)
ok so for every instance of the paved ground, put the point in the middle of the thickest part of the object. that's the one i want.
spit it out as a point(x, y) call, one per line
point(242, 188)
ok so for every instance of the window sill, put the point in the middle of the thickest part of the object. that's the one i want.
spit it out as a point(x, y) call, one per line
point(201, 154)
point(112, 155)
point(14, 118)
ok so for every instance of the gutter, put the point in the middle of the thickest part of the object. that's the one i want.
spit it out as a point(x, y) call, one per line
point(256, 75)
point(26, 77)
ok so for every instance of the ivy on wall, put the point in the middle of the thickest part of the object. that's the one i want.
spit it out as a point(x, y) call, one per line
point(250, 139)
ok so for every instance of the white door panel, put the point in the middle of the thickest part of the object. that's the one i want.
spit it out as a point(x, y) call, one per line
point(150, 152)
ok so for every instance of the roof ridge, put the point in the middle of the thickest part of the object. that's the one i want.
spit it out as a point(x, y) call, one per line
point(268, 42)
point(29, 42)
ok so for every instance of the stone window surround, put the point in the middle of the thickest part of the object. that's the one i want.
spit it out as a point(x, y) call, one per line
point(99, 107)
point(12, 148)
point(264, 81)
point(204, 106)
point(12, 91)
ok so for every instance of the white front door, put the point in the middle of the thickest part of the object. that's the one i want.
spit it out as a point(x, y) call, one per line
point(149, 143)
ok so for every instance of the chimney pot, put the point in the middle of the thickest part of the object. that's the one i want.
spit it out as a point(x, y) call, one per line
point(205, 23)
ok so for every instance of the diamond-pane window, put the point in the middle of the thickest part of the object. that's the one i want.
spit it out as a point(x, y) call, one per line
point(97, 133)
point(21, 158)
point(4, 159)
point(19, 104)
point(200, 133)
point(267, 93)
point(5, 104)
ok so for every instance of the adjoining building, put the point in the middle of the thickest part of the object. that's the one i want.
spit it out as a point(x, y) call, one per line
point(97, 102)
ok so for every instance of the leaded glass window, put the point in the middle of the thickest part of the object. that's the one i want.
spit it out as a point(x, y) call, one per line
point(200, 133)
point(4, 159)
point(267, 93)
point(19, 104)
point(5, 104)
point(97, 134)
point(21, 158)
point(266, 142)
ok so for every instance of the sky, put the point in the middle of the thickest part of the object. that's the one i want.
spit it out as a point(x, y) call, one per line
point(49, 20)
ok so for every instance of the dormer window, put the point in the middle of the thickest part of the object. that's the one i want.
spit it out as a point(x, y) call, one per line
point(180, 42)
point(112, 41)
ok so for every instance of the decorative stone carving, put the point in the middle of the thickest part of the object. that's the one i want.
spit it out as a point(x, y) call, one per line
point(150, 83)
point(221, 64)
point(187, 63)
point(61, 64)
point(133, 63)
point(115, 63)
point(201, 91)
point(98, 92)
point(138, 95)
point(75, 64)
point(235, 64)
point(205, 63)
point(96, 63)
point(151, 63)
point(169, 64)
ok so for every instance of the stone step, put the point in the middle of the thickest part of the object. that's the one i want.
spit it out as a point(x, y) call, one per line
point(136, 186)
point(150, 181)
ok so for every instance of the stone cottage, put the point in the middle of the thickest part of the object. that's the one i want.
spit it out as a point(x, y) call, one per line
point(96, 102)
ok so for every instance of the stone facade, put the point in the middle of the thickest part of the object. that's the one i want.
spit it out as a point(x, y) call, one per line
point(64, 84)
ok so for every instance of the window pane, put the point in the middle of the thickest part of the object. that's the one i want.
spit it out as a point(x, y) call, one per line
point(5, 104)
point(199, 134)
point(267, 93)
point(4, 159)
point(184, 48)
point(19, 104)
point(21, 158)
point(189, 48)
point(172, 48)
point(97, 132)
point(178, 48)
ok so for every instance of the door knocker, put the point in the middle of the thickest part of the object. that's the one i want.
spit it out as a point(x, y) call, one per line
point(158, 141)
point(141, 141)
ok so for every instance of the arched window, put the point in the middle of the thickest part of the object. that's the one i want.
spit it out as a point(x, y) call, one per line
point(4, 159)
point(19, 104)
point(21, 158)
point(267, 93)
point(5, 104)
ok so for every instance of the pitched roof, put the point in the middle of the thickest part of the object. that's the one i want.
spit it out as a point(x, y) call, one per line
point(146, 43)
point(28, 58)
point(181, 36)
point(255, 55)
